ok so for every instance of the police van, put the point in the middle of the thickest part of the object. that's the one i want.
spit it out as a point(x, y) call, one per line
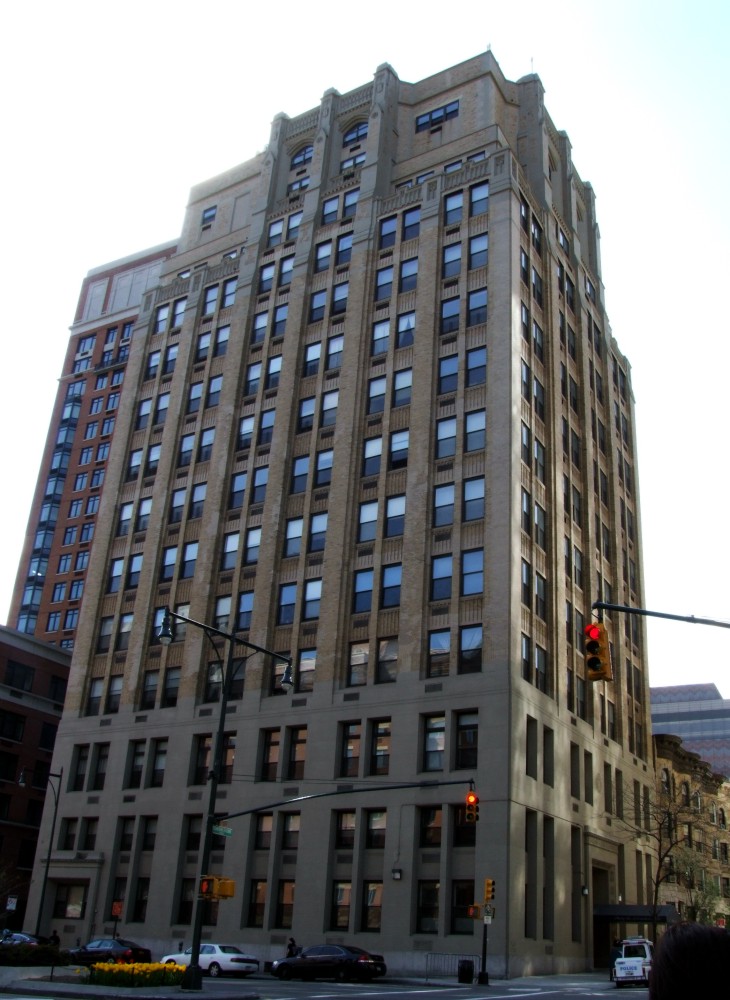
point(634, 962)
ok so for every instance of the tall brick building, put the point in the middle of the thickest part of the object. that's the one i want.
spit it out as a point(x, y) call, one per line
point(373, 415)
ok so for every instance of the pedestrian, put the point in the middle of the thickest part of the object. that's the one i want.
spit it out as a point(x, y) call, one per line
point(613, 955)
point(291, 948)
point(689, 960)
point(54, 938)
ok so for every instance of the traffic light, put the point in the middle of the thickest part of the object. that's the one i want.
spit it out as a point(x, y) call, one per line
point(472, 807)
point(217, 887)
point(488, 889)
point(597, 652)
point(474, 911)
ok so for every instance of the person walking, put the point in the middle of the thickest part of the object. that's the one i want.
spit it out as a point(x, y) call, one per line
point(291, 948)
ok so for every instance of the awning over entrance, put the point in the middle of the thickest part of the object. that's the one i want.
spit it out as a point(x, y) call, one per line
point(635, 913)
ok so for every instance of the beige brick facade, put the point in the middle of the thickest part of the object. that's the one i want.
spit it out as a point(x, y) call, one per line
point(476, 465)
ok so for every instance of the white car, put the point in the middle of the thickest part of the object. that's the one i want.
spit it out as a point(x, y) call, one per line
point(217, 959)
point(634, 963)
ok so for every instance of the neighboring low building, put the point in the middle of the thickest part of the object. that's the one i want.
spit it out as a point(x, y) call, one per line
point(700, 716)
point(33, 678)
point(691, 807)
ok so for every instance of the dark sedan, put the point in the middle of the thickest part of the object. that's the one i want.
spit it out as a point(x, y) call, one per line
point(109, 950)
point(330, 961)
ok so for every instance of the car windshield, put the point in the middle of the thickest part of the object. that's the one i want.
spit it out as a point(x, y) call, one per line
point(230, 949)
point(634, 951)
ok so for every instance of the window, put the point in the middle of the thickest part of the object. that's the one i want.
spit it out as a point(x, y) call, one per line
point(281, 312)
point(245, 609)
point(266, 427)
point(134, 570)
point(408, 275)
point(406, 325)
point(383, 283)
point(441, 578)
point(376, 395)
point(477, 307)
point(450, 315)
point(214, 391)
point(300, 468)
point(312, 598)
point(253, 541)
point(446, 437)
point(349, 205)
point(334, 352)
point(286, 269)
point(330, 208)
point(443, 505)
point(362, 591)
point(266, 278)
point(472, 572)
point(350, 752)
point(439, 649)
point(399, 441)
point(114, 578)
point(411, 223)
point(372, 453)
point(402, 383)
point(434, 119)
point(388, 231)
point(470, 649)
point(474, 490)
point(259, 484)
point(467, 733)
point(476, 366)
point(434, 737)
point(339, 298)
point(323, 469)
point(323, 256)
point(451, 261)
point(475, 430)
point(430, 826)
point(317, 532)
point(169, 558)
point(330, 402)
point(381, 334)
point(395, 512)
point(391, 586)
point(453, 207)
point(478, 251)
point(305, 420)
point(448, 374)
point(479, 199)
point(258, 332)
point(357, 672)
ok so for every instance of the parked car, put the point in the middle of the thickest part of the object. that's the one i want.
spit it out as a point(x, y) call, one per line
point(330, 961)
point(634, 962)
point(109, 950)
point(20, 937)
point(217, 959)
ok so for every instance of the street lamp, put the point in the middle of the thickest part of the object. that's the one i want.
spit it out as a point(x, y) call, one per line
point(193, 976)
point(56, 791)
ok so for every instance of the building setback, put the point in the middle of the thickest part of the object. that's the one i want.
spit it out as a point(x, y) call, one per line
point(399, 445)
point(700, 716)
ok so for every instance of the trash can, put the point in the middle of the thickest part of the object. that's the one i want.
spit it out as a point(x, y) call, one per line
point(465, 971)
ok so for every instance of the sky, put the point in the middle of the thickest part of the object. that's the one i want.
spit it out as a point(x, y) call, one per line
point(112, 112)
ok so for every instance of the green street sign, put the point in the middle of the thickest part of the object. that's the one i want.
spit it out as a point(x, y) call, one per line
point(223, 831)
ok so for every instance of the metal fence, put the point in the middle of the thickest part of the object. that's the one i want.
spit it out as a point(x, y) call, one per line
point(440, 965)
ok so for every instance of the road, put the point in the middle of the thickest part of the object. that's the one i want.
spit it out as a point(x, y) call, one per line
point(555, 987)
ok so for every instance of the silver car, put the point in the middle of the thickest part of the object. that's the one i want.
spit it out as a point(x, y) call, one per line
point(217, 960)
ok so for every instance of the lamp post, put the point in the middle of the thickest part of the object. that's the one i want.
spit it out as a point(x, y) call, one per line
point(56, 791)
point(193, 977)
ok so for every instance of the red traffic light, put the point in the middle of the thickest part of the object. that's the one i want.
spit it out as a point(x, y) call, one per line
point(472, 798)
point(592, 632)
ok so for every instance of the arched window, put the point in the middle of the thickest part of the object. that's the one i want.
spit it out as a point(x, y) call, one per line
point(304, 155)
point(666, 786)
point(685, 793)
point(355, 133)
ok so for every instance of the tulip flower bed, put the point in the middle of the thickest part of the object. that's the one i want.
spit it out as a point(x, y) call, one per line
point(136, 974)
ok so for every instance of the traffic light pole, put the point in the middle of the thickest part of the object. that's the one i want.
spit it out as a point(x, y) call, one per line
point(624, 609)
point(483, 977)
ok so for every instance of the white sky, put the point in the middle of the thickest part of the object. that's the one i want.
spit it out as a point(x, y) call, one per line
point(112, 112)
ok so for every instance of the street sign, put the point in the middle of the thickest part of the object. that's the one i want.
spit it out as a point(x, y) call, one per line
point(11, 903)
point(223, 831)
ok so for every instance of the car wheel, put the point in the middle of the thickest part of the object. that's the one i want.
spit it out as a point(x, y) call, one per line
point(170, 961)
point(284, 972)
point(214, 969)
